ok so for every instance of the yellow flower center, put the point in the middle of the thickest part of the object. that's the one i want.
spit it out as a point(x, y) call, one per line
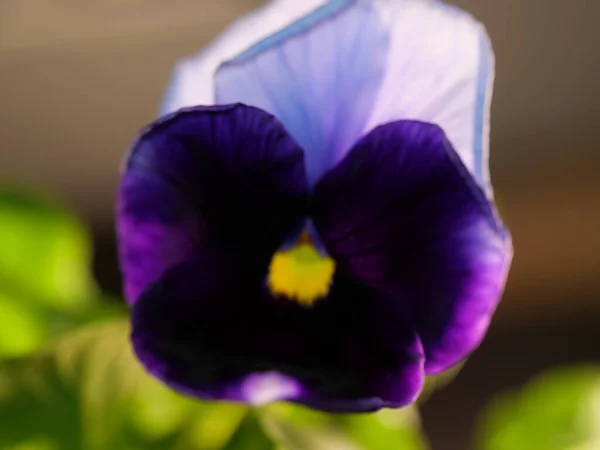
point(301, 274)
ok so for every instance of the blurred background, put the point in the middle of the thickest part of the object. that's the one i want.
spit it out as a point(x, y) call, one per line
point(78, 80)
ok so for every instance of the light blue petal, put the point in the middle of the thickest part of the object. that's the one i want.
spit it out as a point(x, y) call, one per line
point(192, 81)
point(440, 69)
point(320, 77)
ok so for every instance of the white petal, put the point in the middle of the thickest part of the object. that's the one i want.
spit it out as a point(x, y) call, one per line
point(192, 81)
point(440, 69)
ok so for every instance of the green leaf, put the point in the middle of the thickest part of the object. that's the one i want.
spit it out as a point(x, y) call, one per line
point(46, 251)
point(297, 428)
point(380, 430)
point(46, 286)
point(87, 391)
point(558, 410)
point(250, 436)
point(23, 327)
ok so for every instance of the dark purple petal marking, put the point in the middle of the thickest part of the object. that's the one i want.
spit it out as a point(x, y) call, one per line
point(207, 177)
point(209, 329)
point(402, 215)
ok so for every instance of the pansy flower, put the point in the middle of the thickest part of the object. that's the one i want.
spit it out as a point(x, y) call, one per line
point(311, 218)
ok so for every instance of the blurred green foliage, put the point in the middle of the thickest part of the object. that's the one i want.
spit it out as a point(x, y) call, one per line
point(297, 428)
point(558, 410)
point(87, 391)
point(46, 251)
point(46, 286)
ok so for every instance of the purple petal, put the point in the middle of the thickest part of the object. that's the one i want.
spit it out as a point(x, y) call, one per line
point(402, 215)
point(206, 177)
point(209, 329)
